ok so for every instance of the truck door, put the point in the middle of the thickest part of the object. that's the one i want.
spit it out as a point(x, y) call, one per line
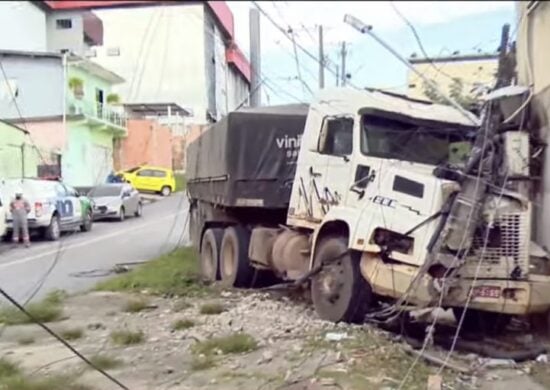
point(336, 143)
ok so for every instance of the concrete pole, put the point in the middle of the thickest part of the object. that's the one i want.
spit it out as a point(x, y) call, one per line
point(255, 53)
point(343, 54)
point(321, 60)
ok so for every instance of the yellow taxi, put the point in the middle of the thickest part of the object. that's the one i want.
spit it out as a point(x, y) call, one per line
point(150, 178)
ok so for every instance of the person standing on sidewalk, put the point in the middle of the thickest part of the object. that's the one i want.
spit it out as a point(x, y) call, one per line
point(20, 208)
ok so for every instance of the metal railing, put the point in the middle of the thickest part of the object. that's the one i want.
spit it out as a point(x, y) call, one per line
point(98, 111)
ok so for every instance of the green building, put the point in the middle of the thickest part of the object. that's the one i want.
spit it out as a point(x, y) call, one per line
point(18, 156)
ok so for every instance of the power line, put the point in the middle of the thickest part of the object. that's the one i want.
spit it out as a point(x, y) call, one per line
point(61, 340)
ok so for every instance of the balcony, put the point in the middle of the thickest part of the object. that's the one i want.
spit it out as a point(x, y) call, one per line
point(103, 116)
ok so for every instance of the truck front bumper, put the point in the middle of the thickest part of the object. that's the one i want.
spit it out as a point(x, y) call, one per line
point(517, 297)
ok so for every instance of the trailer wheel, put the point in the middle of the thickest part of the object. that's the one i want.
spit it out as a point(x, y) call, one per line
point(339, 292)
point(486, 322)
point(210, 254)
point(235, 269)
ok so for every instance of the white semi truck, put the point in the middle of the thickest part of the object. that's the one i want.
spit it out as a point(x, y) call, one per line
point(371, 196)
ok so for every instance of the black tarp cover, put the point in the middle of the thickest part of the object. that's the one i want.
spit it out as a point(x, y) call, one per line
point(248, 159)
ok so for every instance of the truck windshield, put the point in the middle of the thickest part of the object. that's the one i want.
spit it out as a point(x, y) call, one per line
point(393, 139)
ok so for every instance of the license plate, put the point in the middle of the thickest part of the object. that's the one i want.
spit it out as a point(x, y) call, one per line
point(486, 292)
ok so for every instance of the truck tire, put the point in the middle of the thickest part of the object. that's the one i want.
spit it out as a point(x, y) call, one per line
point(210, 254)
point(235, 269)
point(339, 292)
point(53, 231)
point(488, 323)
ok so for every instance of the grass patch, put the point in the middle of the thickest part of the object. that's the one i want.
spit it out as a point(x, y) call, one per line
point(183, 324)
point(235, 343)
point(106, 362)
point(72, 334)
point(50, 309)
point(181, 305)
point(212, 308)
point(202, 362)
point(173, 274)
point(12, 378)
point(8, 368)
point(181, 182)
point(126, 337)
point(26, 340)
point(135, 305)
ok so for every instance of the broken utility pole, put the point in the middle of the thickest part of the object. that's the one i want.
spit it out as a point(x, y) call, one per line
point(321, 60)
point(255, 63)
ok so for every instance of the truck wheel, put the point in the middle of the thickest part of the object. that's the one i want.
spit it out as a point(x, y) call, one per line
point(235, 269)
point(486, 322)
point(210, 254)
point(53, 231)
point(339, 292)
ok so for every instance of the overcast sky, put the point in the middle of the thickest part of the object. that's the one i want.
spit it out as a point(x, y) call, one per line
point(467, 26)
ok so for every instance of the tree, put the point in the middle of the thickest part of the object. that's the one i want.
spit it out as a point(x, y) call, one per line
point(470, 102)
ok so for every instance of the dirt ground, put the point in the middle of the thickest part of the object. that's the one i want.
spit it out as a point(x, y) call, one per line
point(292, 348)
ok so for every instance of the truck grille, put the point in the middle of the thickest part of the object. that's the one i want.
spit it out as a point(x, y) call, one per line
point(507, 249)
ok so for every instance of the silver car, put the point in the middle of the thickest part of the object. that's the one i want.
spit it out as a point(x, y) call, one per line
point(116, 200)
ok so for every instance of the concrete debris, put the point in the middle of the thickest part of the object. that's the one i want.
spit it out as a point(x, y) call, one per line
point(497, 363)
point(435, 382)
point(542, 358)
point(333, 336)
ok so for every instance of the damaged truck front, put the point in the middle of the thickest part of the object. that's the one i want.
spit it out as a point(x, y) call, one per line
point(390, 198)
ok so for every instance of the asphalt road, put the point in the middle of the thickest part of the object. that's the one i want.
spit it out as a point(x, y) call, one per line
point(160, 229)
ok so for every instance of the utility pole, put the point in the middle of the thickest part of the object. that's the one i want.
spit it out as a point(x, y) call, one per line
point(255, 63)
point(337, 75)
point(505, 71)
point(343, 54)
point(321, 60)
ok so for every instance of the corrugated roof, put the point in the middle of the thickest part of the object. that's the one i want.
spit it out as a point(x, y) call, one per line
point(21, 53)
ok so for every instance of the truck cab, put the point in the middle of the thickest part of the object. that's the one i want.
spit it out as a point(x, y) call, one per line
point(390, 197)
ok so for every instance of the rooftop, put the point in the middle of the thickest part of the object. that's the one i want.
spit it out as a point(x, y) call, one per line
point(95, 68)
point(157, 109)
point(453, 58)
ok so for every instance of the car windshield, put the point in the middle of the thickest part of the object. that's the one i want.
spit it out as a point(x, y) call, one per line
point(96, 192)
point(392, 139)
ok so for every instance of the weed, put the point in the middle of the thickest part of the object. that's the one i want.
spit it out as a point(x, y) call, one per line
point(235, 343)
point(181, 305)
point(136, 305)
point(48, 310)
point(25, 340)
point(126, 337)
point(202, 362)
point(8, 368)
point(183, 324)
point(56, 382)
point(106, 362)
point(173, 274)
point(72, 334)
point(212, 308)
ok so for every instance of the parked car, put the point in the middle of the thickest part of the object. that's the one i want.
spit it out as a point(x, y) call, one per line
point(55, 206)
point(150, 178)
point(116, 200)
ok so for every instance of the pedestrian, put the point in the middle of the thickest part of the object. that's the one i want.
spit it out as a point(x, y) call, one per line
point(20, 208)
point(111, 178)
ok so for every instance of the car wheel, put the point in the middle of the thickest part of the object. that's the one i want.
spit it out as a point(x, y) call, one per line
point(53, 231)
point(121, 215)
point(166, 191)
point(139, 210)
point(88, 222)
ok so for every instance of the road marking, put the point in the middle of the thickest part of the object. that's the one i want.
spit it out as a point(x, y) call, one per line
point(87, 242)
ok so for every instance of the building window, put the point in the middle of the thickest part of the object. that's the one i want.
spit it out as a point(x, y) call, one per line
point(113, 51)
point(64, 24)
